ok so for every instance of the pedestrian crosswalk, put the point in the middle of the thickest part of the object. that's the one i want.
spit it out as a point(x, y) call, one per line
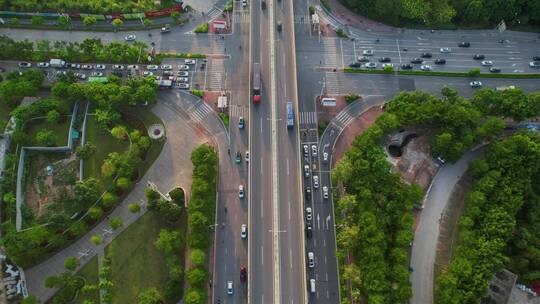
point(330, 51)
point(332, 84)
point(214, 12)
point(238, 111)
point(307, 118)
point(301, 19)
point(199, 111)
point(216, 75)
point(342, 119)
point(241, 17)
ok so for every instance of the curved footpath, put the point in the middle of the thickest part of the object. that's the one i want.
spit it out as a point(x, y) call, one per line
point(427, 233)
point(172, 168)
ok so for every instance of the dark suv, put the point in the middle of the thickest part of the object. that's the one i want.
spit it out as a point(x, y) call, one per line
point(478, 57)
point(464, 44)
point(440, 61)
point(426, 55)
point(385, 59)
point(308, 193)
point(406, 66)
point(417, 60)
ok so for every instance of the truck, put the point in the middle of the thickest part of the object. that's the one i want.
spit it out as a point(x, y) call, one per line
point(57, 63)
point(256, 83)
point(164, 83)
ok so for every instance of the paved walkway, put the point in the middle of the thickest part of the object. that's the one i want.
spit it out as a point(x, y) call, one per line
point(171, 169)
point(348, 17)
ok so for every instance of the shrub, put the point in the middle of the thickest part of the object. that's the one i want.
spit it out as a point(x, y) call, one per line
point(311, 10)
point(116, 222)
point(134, 207)
point(199, 93)
point(109, 199)
point(340, 32)
point(474, 72)
point(197, 276)
point(46, 138)
point(203, 28)
point(95, 212)
point(96, 239)
point(71, 263)
point(85, 151)
point(123, 183)
point(225, 118)
point(197, 257)
point(37, 20)
point(349, 98)
point(119, 132)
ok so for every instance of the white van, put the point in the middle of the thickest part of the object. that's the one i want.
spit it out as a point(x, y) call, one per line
point(312, 285)
point(311, 259)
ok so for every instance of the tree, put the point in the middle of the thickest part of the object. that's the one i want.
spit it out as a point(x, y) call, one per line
point(95, 212)
point(117, 22)
point(171, 211)
point(89, 20)
point(175, 16)
point(64, 20)
point(31, 299)
point(123, 183)
point(491, 128)
point(85, 151)
point(53, 116)
point(195, 296)
point(177, 195)
point(147, 22)
point(46, 138)
point(71, 263)
point(134, 208)
point(116, 222)
point(96, 239)
point(119, 132)
point(109, 199)
point(197, 276)
point(169, 241)
point(87, 191)
point(150, 296)
point(37, 20)
point(197, 257)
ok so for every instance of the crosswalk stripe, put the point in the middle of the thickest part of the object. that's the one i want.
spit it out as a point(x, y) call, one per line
point(241, 17)
point(332, 83)
point(214, 12)
point(307, 118)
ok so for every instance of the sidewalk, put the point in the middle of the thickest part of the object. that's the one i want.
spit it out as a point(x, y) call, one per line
point(349, 18)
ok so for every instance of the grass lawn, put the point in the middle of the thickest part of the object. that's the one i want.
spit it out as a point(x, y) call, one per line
point(91, 276)
point(136, 264)
point(105, 144)
point(59, 129)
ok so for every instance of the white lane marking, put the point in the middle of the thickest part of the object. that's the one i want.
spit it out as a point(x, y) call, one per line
point(324, 242)
point(288, 167)
point(262, 208)
point(261, 126)
point(325, 262)
point(290, 257)
point(262, 255)
point(341, 48)
point(315, 242)
point(354, 48)
point(262, 163)
point(289, 211)
point(399, 51)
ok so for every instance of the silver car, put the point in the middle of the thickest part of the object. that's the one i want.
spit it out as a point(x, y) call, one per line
point(183, 86)
point(166, 67)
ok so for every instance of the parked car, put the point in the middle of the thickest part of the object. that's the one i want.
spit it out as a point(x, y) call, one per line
point(74, 65)
point(314, 150)
point(87, 67)
point(166, 67)
point(182, 74)
point(100, 67)
point(130, 37)
point(25, 65)
point(362, 59)
point(425, 67)
point(406, 66)
point(43, 65)
point(190, 61)
point(97, 74)
point(81, 76)
point(182, 79)
point(118, 67)
point(494, 70)
point(148, 73)
point(536, 58)
point(133, 67)
point(534, 64)
point(370, 65)
point(183, 86)
point(183, 67)
point(152, 67)
point(355, 65)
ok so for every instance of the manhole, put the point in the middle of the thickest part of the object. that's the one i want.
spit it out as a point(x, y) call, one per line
point(156, 131)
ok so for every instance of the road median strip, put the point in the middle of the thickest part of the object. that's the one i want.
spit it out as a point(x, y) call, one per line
point(445, 74)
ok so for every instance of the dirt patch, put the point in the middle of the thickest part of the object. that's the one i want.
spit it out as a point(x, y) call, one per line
point(350, 18)
point(448, 236)
point(353, 129)
point(49, 176)
point(416, 164)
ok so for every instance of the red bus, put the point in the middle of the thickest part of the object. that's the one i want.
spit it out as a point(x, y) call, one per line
point(256, 83)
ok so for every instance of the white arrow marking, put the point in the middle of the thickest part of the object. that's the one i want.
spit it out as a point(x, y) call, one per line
point(512, 52)
point(327, 221)
point(515, 58)
point(318, 222)
point(518, 71)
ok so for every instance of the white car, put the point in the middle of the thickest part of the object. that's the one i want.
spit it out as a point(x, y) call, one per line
point(43, 65)
point(314, 150)
point(130, 37)
point(325, 192)
point(80, 76)
point(425, 67)
point(384, 65)
point(241, 192)
point(229, 287)
point(97, 74)
point(487, 63)
point(100, 67)
point(182, 79)
point(118, 67)
point(370, 65)
point(247, 156)
point(367, 52)
point(315, 181)
point(133, 67)
point(244, 3)
point(309, 214)
point(311, 259)
point(86, 67)
point(25, 64)
point(306, 150)
point(152, 67)
point(148, 73)
point(325, 156)
point(445, 50)
point(183, 86)
point(182, 74)
point(183, 67)
point(166, 67)
point(475, 84)
point(74, 65)
point(243, 231)
point(189, 61)
point(534, 64)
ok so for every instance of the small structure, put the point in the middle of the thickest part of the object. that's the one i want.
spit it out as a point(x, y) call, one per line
point(49, 170)
point(500, 288)
point(222, 103)
point(156, 131)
